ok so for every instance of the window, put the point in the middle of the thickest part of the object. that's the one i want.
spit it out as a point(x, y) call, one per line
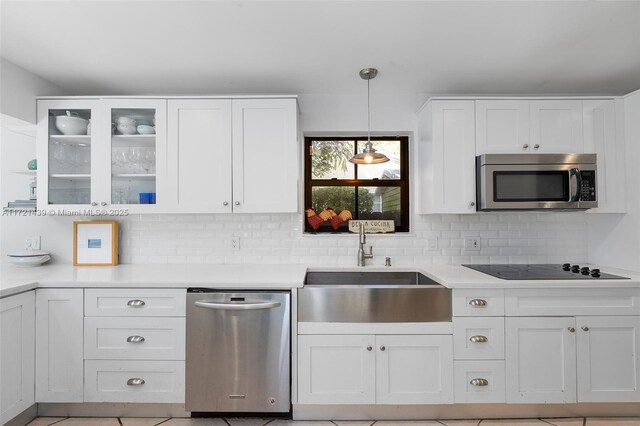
point(369, 192)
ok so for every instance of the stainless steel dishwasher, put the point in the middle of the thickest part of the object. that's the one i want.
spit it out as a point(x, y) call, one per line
point(238, 351)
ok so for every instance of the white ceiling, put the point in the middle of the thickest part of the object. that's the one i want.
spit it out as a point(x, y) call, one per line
point(221, 47)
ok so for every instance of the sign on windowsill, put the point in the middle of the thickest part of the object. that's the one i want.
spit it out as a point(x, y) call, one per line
point(372, 226)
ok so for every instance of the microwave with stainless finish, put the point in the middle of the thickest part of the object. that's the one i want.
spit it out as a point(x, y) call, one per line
point(536, 182)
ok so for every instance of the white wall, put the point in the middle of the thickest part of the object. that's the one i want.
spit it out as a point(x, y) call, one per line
point(19, 88)
point(614, 240)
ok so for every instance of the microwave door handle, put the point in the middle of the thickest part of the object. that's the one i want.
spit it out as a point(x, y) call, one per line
point(574, 197)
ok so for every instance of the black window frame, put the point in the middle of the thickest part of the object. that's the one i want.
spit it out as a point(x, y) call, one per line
point(402, 183)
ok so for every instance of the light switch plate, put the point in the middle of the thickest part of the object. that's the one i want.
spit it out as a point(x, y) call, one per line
point(472, 244)
point(32, 243)
point(235, 243)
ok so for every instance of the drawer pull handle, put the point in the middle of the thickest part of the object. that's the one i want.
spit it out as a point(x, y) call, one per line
point(585, 328)
point(571, 329)
point(479, 339)
point(478, 302)
point(135, 339)
point(479, 382)
point(369, 348)
point(135, 382)
point(383, 348)
point(136, 303)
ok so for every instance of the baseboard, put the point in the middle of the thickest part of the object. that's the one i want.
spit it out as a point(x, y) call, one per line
point(24, 418)
point(111, 409)
point(462, 411)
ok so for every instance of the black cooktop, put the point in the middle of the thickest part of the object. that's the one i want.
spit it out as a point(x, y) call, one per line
point(544, 272)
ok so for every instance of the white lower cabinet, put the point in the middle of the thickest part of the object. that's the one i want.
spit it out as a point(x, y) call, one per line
point(17, 354)
point(479, 381)
point(134, 381)
point(134, 345)
point(573, 359)
point(59, 348)
point(370, 369)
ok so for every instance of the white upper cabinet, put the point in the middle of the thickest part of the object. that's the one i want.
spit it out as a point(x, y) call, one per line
point(528, 126)
point(237, 155)
point(446, 157)
point(102, 154)
point(502, 126)
point(200, 155)
point(604, 135)
point(556, 126)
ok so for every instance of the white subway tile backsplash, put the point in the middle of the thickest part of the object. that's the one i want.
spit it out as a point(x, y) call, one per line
point(278, 238)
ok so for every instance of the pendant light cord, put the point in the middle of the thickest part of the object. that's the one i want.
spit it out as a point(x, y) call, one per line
point(368, 112)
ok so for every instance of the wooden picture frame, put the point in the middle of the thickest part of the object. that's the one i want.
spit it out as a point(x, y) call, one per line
point(95, 243)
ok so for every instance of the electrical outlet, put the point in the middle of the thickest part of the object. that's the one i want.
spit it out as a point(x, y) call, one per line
point(472, 244)
point(32, 243)
point(235, 243)
point(432, 243)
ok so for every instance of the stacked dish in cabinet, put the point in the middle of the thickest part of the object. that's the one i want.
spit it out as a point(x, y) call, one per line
point(134, 345)
point(478, 346)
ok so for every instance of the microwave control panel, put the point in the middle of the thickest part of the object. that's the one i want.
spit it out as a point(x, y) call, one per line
point(588, 189)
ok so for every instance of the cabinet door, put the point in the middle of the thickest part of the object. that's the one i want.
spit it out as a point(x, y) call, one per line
point(17, 352)
point(336, 369)
point(604, 135)
point(59, 356)
point(414, 369)
point(608, 359)
point(556, 126)
point(502, 126)
point(540, 360)
point(67, 154)
point(446, 158)
point(132, 168)
point(265, 156)
point(199, 163)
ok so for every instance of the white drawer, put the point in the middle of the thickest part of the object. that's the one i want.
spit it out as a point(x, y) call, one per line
point(481, 302)
point(479, 381)
point(114, 381)
point(134, 302)
point(478, 338)
point(152, 338)
point(570, 302)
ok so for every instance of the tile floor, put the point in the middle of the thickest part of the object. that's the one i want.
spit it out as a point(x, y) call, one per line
point(123, 421)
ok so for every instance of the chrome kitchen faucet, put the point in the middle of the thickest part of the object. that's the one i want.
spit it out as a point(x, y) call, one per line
point(362, 256)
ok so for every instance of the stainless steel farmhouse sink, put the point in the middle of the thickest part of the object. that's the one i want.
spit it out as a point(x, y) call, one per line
point(372, 297)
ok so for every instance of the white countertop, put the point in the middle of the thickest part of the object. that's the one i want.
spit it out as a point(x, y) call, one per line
point(15, 280)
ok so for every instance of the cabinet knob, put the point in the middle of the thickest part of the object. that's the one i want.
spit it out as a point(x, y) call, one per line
point(571, 329)
point(136, 303)
point(585, 328)
point(225, 203)
point(478, 302)
point(536, 146)
point(525, 146)
point(382, 348)
point(103, 203)
point(135, 339)
point(472, 204)
point(94, 203)
point(237, 203)
point(134, 381)
point(478, 339)
point(479, 382)
point(369, 348)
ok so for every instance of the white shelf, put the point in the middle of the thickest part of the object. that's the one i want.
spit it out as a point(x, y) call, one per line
point(72, 139)
point(125, 141)
point(24, 172)
point(70, 176)
point(134, 175)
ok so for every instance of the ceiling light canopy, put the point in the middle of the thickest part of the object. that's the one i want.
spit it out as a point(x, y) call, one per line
point(368, 154)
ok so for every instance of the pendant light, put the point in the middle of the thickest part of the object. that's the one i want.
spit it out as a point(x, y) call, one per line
point(368, 154)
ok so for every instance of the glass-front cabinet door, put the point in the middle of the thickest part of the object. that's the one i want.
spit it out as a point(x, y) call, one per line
point(101, 154)
point(66, 143)
point(136, 130)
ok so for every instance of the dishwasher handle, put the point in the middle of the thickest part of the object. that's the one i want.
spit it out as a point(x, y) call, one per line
point(237, 306)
